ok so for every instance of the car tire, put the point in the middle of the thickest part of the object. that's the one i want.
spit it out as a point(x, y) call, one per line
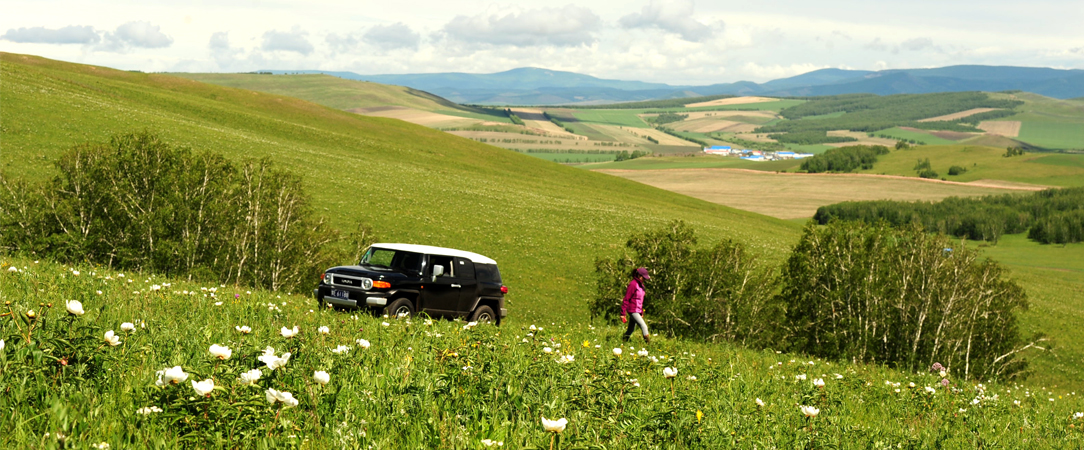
point(399, 306)
point(483, 314)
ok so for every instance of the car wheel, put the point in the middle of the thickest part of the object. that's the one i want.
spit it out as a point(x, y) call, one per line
point(400, 306)
point(483, 314)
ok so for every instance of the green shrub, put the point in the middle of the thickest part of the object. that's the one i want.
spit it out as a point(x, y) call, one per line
point(715, 293)
point(928, 173)
point(956, 170)
point(138, 203)
point(902, 297)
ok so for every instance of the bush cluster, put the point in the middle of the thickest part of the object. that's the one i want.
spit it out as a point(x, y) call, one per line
point(139, 203)
point(669, 117)
point(844, 159)
point(716, 293)
point(1054, 215)
point(901, 296)
point(848, 291)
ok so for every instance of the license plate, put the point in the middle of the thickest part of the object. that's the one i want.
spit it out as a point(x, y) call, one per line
point(340, 294)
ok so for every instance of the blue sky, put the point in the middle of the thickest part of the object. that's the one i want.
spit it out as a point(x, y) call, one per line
point(671, 41)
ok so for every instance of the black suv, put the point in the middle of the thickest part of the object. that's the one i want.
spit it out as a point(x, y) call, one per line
point(398, 279)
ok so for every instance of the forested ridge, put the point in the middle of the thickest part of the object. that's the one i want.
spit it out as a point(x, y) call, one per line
point(1052, 216)
point(870, 113)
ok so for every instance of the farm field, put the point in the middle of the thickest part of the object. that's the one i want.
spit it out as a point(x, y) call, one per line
point(701, 161)
point(790, 195)
point(914, 135)
point(573, 158)
point(1054, 135)
point(441, 384)
point(987, 163)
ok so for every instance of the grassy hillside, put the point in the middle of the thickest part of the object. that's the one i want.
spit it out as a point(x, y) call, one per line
point(544, 223)
point(341, 93)
point(987, 163)
point(1054, 278)
point(442, 384)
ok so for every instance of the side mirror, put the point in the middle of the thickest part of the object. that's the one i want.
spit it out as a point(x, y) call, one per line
point(438, 271)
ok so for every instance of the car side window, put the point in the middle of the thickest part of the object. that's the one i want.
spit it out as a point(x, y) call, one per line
point(464, 269)
point(446, 261)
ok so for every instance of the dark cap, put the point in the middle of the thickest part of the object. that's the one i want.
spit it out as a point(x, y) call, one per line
point(643, 273)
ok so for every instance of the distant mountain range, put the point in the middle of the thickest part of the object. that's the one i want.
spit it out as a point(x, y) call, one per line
point(534, 86)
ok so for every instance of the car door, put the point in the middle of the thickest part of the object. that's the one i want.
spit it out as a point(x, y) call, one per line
point(440, 295)
point(468, 285)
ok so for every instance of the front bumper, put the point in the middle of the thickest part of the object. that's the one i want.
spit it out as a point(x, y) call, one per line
point(354, 297)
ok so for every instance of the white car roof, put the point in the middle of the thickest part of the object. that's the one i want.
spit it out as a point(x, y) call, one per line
point(429, 249)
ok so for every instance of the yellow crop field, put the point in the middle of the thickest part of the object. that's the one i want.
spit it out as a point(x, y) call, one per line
point(424, 118)
point(959, 115)
point(1007, 128)
point(732, 101)
point(796, 195)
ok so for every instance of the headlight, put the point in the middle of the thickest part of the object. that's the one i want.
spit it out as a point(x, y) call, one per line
point(366, 284)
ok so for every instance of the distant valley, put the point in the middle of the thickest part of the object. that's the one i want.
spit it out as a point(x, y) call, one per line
point(534, 86)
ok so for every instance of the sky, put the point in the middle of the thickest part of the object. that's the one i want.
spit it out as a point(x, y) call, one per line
point(680, 42)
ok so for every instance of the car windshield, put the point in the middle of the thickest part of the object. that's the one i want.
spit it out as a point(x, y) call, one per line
point(392, 259)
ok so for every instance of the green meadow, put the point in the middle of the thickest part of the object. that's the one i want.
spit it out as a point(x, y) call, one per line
point(610, 117)
point(696, 162)
point(344, 94)
point(986, 163)
point(545, 224)
point(1053, 135)
point(284, 374)
point(917, 136)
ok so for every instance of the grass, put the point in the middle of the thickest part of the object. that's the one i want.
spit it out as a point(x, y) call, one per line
point(987, 163)
point(545, 223)
point(696, 162)
point(789, 196)
point(573, 158)
point(610, 117)
point(448, 385)
point(1053, 135)
point(918, 136)
point(344, 94)
point(1053, 276)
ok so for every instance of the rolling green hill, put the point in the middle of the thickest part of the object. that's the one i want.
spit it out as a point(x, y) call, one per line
point(342, 93)
point(545, 223)
point(986, 163)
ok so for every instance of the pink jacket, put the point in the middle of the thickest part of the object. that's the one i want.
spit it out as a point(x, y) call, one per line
point(634, 299)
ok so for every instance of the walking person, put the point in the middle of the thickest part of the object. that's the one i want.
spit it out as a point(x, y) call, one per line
point(633, 304)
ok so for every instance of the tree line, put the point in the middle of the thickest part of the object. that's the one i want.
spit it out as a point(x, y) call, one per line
point(848, 291)
point(139, 203)
point(844, 159)
point(1052, 216)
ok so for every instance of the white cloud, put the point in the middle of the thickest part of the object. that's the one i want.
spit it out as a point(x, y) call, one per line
point(341, 43)
point(71, 34)
point(292, 41)
point(917, 44)
point(674, 16)
point(394, 36)
point(138, 34)
point(568, 26)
